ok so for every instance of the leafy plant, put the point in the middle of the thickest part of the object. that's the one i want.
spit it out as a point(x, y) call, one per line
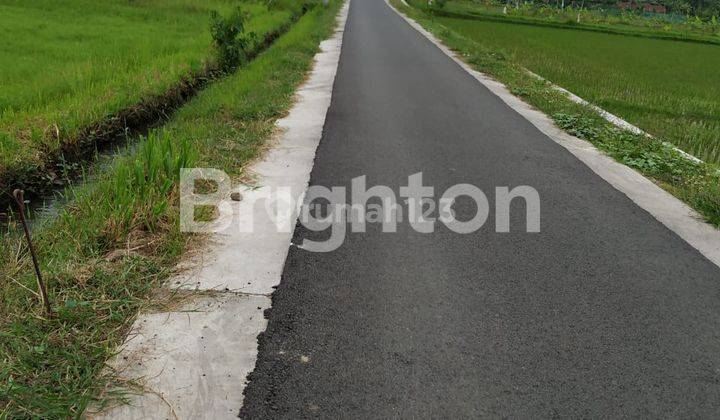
point(229, 38)
point(578, 126)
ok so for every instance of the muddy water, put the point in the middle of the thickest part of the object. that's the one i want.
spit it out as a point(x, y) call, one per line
point(46, 208)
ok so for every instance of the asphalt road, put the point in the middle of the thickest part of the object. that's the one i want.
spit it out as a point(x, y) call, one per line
point(605, 312)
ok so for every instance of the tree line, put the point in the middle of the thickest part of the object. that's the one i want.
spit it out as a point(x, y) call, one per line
point(700, 8)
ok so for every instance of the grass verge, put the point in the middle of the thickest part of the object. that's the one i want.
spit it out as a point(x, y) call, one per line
point(696, 184)
point(118, 239)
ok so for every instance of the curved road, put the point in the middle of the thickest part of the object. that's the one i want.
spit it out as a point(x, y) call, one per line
point(605, 312)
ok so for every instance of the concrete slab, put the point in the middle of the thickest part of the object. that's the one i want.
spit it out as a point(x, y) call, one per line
point(190, 362)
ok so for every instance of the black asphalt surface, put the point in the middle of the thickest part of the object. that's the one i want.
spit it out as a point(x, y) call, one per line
point(604, 313)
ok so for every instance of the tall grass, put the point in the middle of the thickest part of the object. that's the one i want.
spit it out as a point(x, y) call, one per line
point(117, 239)
point(668, 88)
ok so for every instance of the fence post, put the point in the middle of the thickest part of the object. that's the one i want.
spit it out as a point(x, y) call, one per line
point(20, 200)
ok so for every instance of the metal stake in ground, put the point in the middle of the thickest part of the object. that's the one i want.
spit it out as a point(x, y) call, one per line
point(20, 200)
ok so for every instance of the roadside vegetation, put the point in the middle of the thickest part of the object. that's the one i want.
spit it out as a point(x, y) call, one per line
point(77, 71)
point(118, 238)
point(626, 92)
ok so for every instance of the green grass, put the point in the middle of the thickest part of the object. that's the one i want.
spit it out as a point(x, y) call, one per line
point(696, 184)
point(66, 65)
point(51, 368)
point(668, 88)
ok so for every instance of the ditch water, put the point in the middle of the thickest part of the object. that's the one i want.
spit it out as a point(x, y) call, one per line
point(78, 175)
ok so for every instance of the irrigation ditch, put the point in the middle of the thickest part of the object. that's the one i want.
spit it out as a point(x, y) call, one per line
point(43, 184)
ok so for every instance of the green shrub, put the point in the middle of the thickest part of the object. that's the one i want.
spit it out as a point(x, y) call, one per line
point(229, 38)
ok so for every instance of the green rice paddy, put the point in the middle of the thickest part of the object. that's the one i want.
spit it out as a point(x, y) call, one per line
point(668, 88)
point(65, 65)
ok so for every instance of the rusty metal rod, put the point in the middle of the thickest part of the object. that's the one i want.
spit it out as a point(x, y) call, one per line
point(20, 200)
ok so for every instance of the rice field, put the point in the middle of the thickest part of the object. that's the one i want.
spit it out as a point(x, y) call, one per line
point(596, 17)
point(65, 65)
point(668, 88)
